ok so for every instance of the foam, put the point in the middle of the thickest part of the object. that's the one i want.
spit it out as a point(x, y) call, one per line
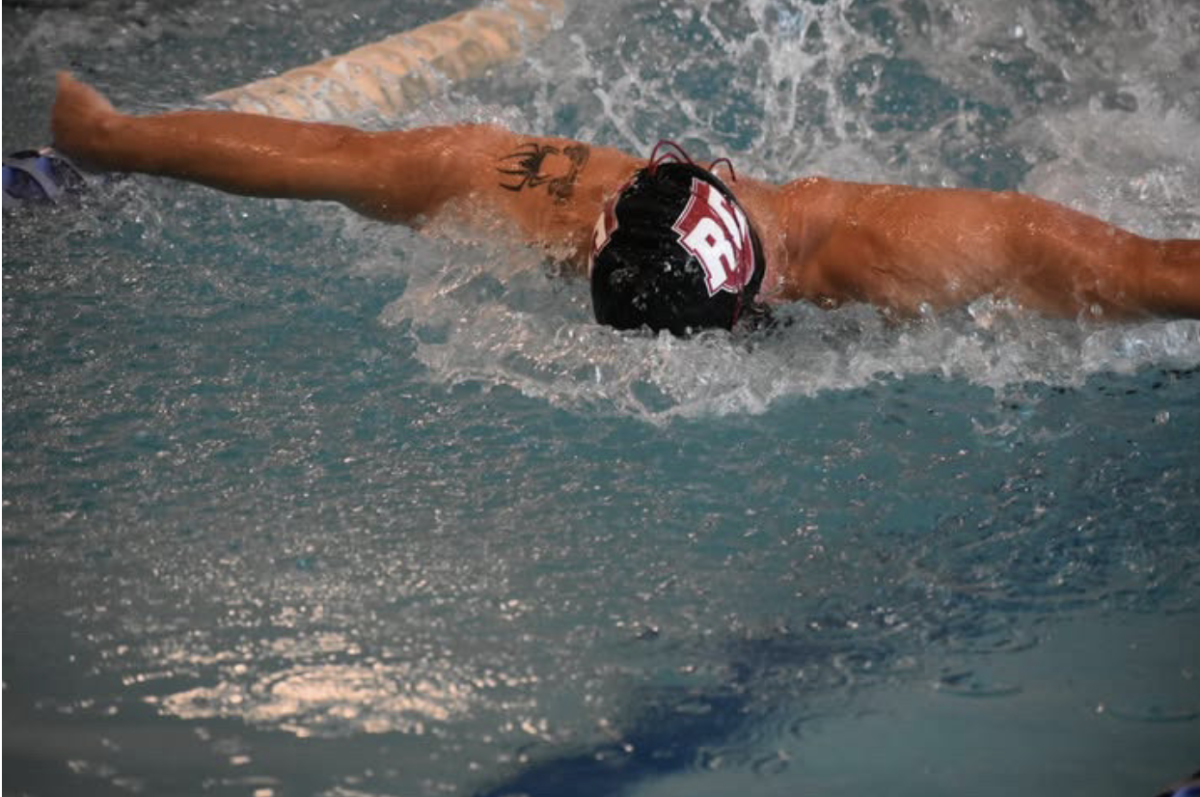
point(502, 318)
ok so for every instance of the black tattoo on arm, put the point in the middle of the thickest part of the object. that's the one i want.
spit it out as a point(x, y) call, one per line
point(527, 167)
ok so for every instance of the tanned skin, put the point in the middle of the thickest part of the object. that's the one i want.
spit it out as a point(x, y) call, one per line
point(900, 248)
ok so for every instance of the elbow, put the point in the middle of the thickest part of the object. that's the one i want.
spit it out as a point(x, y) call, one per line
point(395, 177)
point(1169, 275)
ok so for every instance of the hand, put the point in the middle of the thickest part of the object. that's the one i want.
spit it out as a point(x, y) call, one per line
point(82, 121)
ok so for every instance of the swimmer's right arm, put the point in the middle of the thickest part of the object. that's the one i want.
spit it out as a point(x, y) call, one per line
point(547, 191)
point(397, 176)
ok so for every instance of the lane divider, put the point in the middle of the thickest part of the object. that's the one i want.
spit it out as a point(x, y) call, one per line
point(395, 74)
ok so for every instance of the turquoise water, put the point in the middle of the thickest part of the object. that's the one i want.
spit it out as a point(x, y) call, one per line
point(300, 504)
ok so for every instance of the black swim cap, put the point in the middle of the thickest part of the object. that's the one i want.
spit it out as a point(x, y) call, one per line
point(674, 250)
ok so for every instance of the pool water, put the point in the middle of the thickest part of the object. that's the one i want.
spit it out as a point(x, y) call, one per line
point(300, 504)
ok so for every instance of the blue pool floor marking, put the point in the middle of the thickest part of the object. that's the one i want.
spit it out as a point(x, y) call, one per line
point(1189, 788)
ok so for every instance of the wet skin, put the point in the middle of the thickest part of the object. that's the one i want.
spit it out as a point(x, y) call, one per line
point(906, 250)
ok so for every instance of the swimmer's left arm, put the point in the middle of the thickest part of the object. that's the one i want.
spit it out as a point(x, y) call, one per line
point(1066, 263)
point(906, 248)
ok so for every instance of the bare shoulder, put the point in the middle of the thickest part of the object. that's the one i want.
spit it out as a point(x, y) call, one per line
point(547, 190)
point(499, 143)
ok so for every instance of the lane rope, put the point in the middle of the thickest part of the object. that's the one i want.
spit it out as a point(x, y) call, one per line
point(391, 76)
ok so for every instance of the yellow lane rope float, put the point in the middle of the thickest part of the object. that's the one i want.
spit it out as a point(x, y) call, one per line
point(392, 76)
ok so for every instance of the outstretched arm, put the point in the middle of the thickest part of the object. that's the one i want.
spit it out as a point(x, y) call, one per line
point(545, 190)
point(907, 247)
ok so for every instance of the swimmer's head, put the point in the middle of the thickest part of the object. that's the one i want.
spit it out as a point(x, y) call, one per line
point(674, 250)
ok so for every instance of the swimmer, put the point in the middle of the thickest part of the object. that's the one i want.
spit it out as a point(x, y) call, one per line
point(665, 242)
